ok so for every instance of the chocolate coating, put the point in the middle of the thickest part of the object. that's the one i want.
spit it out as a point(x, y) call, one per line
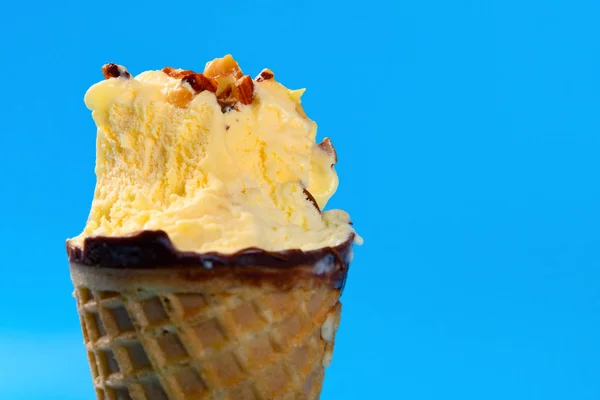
point(311, 198)
point(154, 249)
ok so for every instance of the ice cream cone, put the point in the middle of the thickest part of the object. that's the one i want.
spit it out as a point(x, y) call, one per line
point(189, 332)
point(208, 267)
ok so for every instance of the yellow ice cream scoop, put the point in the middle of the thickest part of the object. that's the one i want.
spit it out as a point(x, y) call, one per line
point(217, 160)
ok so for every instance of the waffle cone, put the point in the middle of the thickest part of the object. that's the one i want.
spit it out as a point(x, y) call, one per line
point(165, 333)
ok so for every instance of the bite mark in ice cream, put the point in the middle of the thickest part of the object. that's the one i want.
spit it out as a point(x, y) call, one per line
point(218, 161)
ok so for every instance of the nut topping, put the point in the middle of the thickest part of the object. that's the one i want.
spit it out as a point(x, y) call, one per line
point(264, 75)
point(221, 76)
point(177, 73)
point(223, 66)
point(113, 70)
point(245, 89)
point(199, 83)
point(190, 85)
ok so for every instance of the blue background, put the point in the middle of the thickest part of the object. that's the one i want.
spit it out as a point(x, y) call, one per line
point(468, 135)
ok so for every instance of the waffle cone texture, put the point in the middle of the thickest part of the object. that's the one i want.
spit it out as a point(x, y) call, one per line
point(188, 332)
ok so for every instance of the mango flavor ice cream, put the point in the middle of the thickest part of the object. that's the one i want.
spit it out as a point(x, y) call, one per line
point(218, 161)
point(207, 269)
